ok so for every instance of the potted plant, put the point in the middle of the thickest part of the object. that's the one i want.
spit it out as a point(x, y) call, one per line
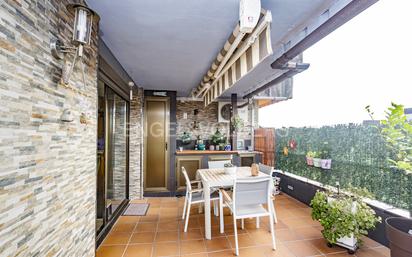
point(316, 159)
point(237, 122)
point(309, 158)
point(326, 161)
point(186, 138)
point(397, 132)
point(230, 169)
point(199, 143)
point(218, 139)
point(345, 218)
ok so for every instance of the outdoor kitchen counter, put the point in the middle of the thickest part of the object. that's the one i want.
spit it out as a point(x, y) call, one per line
point(206, 152)
point(193, 160)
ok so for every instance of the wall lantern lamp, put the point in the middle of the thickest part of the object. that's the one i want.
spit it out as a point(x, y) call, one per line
point(82, 30)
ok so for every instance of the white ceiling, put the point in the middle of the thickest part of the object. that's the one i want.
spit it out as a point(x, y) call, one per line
point(170, 44)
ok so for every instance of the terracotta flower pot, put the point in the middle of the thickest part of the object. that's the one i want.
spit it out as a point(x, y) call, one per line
point(400, 240)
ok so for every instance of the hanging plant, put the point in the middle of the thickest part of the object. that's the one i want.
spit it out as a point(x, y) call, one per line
point(285, 151)
point(293, 144)
point(237, 122)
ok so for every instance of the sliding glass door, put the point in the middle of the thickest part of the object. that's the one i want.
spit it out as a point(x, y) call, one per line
point(116, 151)
point(112, 155)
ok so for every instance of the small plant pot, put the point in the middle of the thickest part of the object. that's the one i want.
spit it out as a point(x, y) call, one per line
point(400, 241)
point(230, 170)
point(326, 164)
point(317, 162)
point(309, 161)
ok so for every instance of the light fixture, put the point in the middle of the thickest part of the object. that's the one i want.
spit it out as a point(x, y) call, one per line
point(131, 85)
point(82, 30)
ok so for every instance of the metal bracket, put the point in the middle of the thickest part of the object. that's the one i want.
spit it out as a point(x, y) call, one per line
point(58, 49)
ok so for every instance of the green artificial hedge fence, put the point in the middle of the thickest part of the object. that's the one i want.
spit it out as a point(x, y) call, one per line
point(359, 158)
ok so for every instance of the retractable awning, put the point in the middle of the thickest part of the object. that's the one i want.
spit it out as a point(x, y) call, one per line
point(254, 48)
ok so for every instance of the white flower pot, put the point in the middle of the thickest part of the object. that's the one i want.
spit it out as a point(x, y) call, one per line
point(230, 170)
point(326, 164)
point(348, 242)
point(317, 162)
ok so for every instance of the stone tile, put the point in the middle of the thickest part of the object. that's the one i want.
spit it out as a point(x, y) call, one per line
point(244, 240)
point(302, 248)
point(142, 237)
point(166, 249)
point(117, 238)
point(321, 245)
point(110, 251)
point(192, 246)
point(141, 250)
point(217, 244)
point(146, 227)
point(166, 236)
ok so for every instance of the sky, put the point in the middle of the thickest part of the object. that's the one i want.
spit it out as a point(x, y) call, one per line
point(367, 61)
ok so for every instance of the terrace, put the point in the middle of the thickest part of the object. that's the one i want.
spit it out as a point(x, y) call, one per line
point(116, 115)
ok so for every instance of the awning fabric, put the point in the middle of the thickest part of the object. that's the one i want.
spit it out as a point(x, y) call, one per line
point(208, 77)
point(254, 54)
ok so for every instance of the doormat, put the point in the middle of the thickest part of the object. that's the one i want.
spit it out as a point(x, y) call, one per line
point(136, 209)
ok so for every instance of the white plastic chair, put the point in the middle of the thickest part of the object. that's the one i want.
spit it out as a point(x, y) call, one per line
point(270, 171)
point(195, 196)
point(218, 164)
point(249, 195)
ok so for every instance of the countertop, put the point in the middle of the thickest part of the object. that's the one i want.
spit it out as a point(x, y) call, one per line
point(199, 152)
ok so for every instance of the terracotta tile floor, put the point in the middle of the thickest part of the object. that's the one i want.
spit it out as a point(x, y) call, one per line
point(160, 233)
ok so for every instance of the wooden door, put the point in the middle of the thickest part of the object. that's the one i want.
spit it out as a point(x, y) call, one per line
point(156, 165)
point(265, 143)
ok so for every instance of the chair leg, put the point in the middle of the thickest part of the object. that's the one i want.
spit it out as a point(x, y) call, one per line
point(236, 241)
point(272, 205)
point(187, 213)
point(215, 208)
point(257, 222)
point(243, 224)
point(184, 207)
point(272, 231)
point(222, 225)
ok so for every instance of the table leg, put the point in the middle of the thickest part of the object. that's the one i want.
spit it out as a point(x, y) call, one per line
point(208, 232)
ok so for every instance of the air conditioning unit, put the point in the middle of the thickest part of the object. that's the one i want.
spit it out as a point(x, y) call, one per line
point(249, 13)
point(225, 108)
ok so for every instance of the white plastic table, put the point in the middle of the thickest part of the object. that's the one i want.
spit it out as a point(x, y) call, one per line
point(215, 178)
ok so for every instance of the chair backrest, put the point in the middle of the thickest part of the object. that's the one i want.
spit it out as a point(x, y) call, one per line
point(218, 164)
point(266, 169)
point(251, 191)
point(188, 185)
